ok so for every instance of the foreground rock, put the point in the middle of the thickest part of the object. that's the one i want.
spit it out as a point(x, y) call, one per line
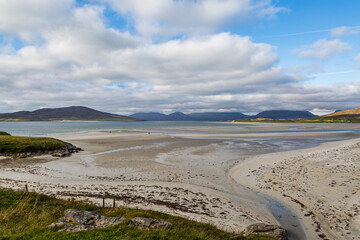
point(66, 151)
point(78, 220)
point(149, 223)
point(85, 220)
point(264, 229)
point(63, 152)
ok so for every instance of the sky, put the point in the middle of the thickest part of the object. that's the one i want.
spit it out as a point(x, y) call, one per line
point(127, 56)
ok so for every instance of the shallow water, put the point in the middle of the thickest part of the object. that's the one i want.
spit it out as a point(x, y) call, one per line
point(286, 219)
point(63, 127)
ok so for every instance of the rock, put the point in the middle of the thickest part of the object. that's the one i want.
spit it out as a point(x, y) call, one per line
point(76, 228)
point(149, 223)
point(264, 229)
point(105, 222)
point(66, 151)
point(85, 220)
point(60, 221)
point(82, 217)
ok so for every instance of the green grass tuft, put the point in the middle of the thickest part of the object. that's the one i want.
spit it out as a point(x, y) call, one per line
point(15, 145)
point(27, 215)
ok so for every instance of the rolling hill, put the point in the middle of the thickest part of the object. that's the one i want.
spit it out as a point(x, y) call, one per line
point(285, 114)
point(179, 116)
point(155, 116)
point(222, 116)
point(217, 116)
point(345, 113)
point(75, 113)
point(150, 116)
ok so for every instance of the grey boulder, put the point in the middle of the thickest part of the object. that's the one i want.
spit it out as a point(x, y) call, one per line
point(149, 223)
point(264, 229)
point(85, 220)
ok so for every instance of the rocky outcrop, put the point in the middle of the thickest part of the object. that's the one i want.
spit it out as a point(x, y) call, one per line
point(66, 151)
point(149, 223)
point(63, 152)
point(264, 229)
point(77, 220)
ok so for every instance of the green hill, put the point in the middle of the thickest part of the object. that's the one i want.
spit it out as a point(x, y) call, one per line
point(75, 113)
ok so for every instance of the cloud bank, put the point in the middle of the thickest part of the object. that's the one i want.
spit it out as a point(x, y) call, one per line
point(61, 53)
point(164, 18)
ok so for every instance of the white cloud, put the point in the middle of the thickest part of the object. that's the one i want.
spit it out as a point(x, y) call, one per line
point(344, 31)
point(82, 61)
point(25, 19)
point(322, 49)
point(164, 18)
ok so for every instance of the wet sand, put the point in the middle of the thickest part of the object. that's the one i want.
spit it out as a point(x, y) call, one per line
point(182, 173)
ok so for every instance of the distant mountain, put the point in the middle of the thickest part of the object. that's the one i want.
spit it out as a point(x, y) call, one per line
point(179, 116)
point(285, 114)
point(217, 116)
point(221, 116)
point(155, 116)
point(67, 113)
point(346, 113)
point(150, 116)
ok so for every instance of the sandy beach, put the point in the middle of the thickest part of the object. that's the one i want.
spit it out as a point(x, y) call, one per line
point(216, 176)
point(320, 184)
point(146, 171)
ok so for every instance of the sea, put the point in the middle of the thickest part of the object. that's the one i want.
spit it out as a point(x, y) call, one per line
point(43, 128)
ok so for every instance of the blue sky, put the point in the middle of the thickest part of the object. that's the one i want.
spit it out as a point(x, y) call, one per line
point(304, 23)
point(126, 56)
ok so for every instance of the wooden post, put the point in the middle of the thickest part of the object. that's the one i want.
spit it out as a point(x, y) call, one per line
point(113, 202)
point(103, 202)
point(26, 188)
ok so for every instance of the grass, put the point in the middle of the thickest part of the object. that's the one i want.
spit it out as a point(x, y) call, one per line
point(27, 215)
point(10, 145)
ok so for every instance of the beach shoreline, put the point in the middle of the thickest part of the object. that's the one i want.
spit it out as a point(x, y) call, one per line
point(114, 166)
point(164, 172)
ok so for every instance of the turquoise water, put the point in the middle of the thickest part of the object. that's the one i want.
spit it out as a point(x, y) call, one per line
point(49, 128)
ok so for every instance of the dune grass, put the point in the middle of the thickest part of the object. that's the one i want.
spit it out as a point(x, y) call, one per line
point(15, 145)
point(26, 216)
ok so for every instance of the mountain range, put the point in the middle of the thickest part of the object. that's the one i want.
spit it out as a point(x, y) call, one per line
point(75, 113)
point(222, 116)
point(79, 113)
